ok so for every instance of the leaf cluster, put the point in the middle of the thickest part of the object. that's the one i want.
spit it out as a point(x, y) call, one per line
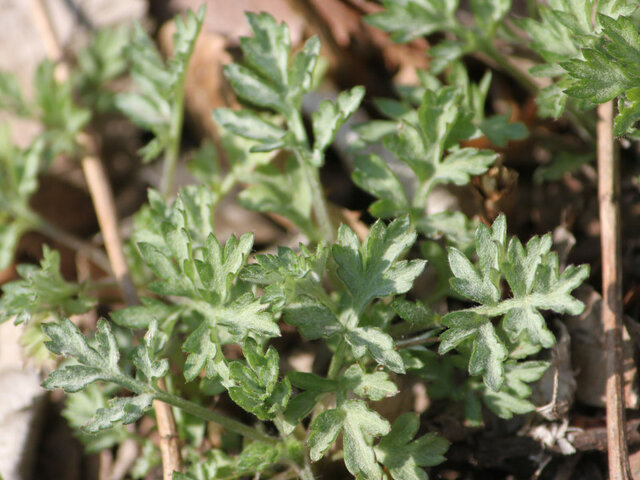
point(62, 107)
point(569, 41)
point(610, 70)
point(203, 297)
point(273, 81)
point(158, 103)
point(532, 274)
point(410, 19)
point(42, 291)
point(427, 140)
point(18, 181)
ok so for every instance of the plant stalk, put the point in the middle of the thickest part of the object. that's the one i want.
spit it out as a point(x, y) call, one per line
point(172, 152)
point(336, 361)
point(169, 441)
point(526, 81)
point(306, 473)
point(211, 416)
point(48, 229)
point(104, 204)
point(608, 196)
point(319, 203)
point(427, 337)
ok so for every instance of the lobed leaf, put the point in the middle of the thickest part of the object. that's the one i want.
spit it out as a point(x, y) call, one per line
point(376, 261)
point(312, 319)
point(202, 352)
point(374, 386)
point(600, 78)
point(160, 86)
point(256, 387)
point(249, 125)
point(323, 432)
point(73, 378)
point(284, 192)
point(487, 350)
point(123, 410)
point(359, 425)
point(532, 273)
point(374, 175)
point(329, 117)
point(377, 343)
point(99, 362)
point(42, 290)
point(252, 88)
point(145, 355)
point(405, 457)
point(409, 19)
point(268, 50)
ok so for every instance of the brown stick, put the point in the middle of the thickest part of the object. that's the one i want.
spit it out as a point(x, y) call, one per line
point(169, 441)
point(104, 204)
point(44, 25)
point(608, 195)
point(105, 207)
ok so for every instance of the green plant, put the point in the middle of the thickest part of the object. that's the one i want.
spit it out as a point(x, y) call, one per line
point(158, 105)
point(348, 294)
point(409, 19)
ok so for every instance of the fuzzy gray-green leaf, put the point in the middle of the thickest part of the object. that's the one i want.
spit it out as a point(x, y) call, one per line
point(374, 386)
point(360, 424)
point(323, 432)
point(372, 174)
point(376, 261)
point(119, 410)
point(488, 351)
point(406, 457)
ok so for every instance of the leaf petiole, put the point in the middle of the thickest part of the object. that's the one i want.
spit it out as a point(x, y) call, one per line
point(337, 360)
point(194, 409)
point(211, 416)
point(42, 226)
point(318, 199)
point(172, 152)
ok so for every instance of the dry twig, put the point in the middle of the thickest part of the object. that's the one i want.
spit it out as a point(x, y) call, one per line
point(104, 205)
point(169, 441)
point(608, 196)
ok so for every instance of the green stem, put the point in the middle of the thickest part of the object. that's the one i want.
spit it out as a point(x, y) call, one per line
point(422, 193)
point(503, 62)
point(194, 409)
point(74, 243)
point(295, 124)
point(211, 416)
point(279, 422)
point(319, 203)
point(172, 152)
point(426, 337)
point(336, 361)
point(525, 80)
point(306, 473)
point(227, 184)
